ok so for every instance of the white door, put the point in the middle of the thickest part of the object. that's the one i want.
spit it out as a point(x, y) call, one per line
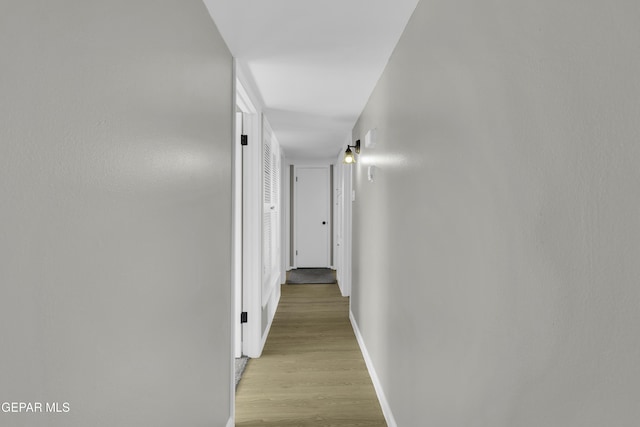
point(311, 217)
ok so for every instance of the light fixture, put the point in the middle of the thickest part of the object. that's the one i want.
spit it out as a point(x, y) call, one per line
point(349, 157)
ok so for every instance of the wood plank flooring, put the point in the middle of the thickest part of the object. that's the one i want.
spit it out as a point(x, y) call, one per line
point(311, 372)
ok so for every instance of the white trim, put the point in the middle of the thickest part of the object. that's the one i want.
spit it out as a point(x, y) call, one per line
point(289, 231)
point(337, 221)
point(243, 100)
point(231, 422)
point(285, 218)
point(345, 223)
point(271, 287)
point(270, 320)
point(248, 82)
point(384, 403)
point(236, 252)
point(237, 235)
point(252, 237)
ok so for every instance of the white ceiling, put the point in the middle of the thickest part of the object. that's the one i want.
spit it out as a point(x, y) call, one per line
point(314, 63)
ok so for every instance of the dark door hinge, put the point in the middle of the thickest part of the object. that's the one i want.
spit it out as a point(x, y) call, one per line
point(244, 140)
point(243, 317)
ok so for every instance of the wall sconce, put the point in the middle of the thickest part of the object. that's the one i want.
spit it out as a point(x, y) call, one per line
point(349, 157)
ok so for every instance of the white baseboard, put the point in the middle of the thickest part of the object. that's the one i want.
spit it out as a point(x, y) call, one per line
point(230, 423)
point(384, 403)
point(270, 322)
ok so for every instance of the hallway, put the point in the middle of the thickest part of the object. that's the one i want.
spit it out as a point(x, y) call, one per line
point(486, 233)
point(311, 372)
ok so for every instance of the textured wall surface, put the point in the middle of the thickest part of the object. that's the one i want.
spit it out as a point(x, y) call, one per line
point(496, 273)
point(115, 213)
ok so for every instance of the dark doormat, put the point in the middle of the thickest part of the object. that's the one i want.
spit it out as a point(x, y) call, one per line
point(311, 276)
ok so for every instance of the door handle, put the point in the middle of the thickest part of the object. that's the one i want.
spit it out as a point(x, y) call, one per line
point(324, 222)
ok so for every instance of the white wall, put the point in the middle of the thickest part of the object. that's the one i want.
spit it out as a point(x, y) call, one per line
point(496, 253)
point(115, 220)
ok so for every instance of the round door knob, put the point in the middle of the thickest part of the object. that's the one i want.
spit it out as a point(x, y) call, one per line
point(324, 222)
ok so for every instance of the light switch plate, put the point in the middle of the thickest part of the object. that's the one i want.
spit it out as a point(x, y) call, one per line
point(371, 171)
point(370, 138)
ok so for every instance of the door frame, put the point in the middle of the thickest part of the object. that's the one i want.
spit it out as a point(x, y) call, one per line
point(344, 190)
point(237, 232)
point(242, 226)
point(251, 222)
point(295, 210)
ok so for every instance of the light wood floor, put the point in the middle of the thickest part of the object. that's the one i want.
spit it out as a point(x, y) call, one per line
point(311, 372)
